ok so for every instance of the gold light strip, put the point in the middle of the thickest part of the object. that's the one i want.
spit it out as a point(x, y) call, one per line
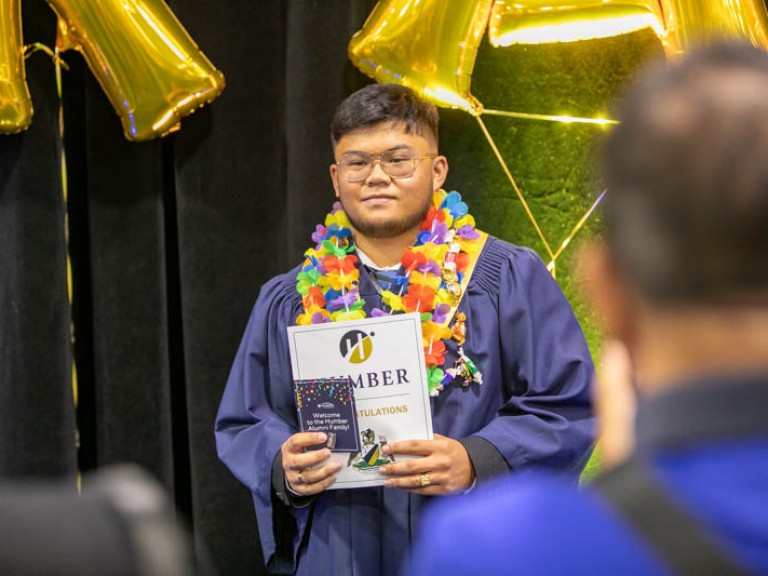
point(552, 118)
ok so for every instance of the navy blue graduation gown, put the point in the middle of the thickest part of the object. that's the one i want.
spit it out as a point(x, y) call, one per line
point(533, 408)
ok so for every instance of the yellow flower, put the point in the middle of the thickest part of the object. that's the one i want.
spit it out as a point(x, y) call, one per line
point(425, 279)
point(438, 198)
point(468, 246)
point(434, 252)
point(431, 331)
point(306, 318)
point(343, 315)
point(338, 281)
point(445, 297)
point(392, 300)
point(318, 255)
point(339, 218)
point(464, 220)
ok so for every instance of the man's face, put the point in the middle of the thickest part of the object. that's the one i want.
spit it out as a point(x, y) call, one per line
point(380, 206)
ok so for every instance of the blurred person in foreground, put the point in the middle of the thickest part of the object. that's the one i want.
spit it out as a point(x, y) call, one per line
point(681, 284)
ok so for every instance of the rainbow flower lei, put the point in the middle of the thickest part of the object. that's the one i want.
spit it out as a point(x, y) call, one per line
point(430, 284)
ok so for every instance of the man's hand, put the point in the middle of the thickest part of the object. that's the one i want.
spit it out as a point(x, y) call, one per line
point(444, 467)
point(296, 464)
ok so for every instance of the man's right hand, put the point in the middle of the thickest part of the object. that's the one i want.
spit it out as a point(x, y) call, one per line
point(302, 473)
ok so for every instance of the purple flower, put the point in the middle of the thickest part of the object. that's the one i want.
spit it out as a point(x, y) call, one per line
point(440, 313)
point(378, 313)
point(343, 301)
point(439, 231)
point(468, 231)
point(430, 266)
point(318, 318)
point(318, 234)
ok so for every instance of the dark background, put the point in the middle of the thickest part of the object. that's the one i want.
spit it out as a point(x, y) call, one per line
point(170, 240)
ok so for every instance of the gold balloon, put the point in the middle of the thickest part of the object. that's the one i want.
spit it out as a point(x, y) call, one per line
point(679, 24)
point(147, 64)
point(15, 103)
point(690, 23)
point(540, 21)
point(427, 45)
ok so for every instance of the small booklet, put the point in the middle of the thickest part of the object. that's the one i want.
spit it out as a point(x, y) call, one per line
point(328, 405)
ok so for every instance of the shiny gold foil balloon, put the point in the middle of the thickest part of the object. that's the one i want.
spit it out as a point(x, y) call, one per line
point(148, 66)
point(690, 23)
point(15, 103)
point(679, 24)
point(540, 21)
point(427, 45)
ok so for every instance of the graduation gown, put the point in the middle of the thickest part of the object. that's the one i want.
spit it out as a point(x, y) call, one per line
point(532, 411)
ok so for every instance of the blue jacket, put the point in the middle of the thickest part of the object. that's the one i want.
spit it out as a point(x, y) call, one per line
point(707, 442)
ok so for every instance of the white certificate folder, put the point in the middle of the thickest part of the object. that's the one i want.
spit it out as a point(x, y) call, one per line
point(384, 359)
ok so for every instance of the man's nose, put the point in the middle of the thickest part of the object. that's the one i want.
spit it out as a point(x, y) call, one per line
point(377, 171)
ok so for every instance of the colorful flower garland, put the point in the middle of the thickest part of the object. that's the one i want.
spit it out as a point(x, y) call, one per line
point(430, 285)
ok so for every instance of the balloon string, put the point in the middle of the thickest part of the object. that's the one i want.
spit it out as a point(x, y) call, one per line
point(551, 118)
point(30, 49)
point(520, 196)
point(58, 65)
point(595, 204)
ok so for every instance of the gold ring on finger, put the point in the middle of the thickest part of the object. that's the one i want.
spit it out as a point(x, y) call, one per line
point(425, 480)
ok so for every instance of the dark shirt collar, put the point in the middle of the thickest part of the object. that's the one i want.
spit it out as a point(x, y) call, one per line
point(716, 407)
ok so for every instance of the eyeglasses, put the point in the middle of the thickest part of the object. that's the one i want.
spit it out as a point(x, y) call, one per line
point(395, 164)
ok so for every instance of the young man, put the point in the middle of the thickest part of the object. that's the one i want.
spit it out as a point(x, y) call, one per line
point(509, 381)
point(681, 283)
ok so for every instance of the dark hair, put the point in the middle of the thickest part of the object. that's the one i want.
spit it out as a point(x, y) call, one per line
point(377, 103)
point(686, 212)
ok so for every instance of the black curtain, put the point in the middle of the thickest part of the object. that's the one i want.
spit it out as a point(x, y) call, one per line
point(169, 242)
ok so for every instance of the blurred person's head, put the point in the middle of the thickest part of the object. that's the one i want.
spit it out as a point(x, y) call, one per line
point(686, 215)
point(687, 174)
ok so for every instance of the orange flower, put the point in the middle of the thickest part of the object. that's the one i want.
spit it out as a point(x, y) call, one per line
point(314, 298)
point(419, 298)
point(433, 214)
point(434, 354)
point(339, 265)
point(462, 261)
point(413, 259)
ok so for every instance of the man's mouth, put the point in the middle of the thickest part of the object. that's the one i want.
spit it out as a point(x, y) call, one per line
point(378, 198)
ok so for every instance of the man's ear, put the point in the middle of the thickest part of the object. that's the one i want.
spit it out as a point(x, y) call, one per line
point(439, 172)
point(334, 170)
point(607, 292)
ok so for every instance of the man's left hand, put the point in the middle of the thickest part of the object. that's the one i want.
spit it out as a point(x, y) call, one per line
point(444, 466)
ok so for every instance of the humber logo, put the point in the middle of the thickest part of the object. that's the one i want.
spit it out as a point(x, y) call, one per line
point(356, 346)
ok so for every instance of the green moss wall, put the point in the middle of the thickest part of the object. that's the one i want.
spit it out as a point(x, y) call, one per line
point(556, 166)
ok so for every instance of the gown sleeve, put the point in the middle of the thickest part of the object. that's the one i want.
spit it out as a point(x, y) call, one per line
point(258, 413)
point(545, 369)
